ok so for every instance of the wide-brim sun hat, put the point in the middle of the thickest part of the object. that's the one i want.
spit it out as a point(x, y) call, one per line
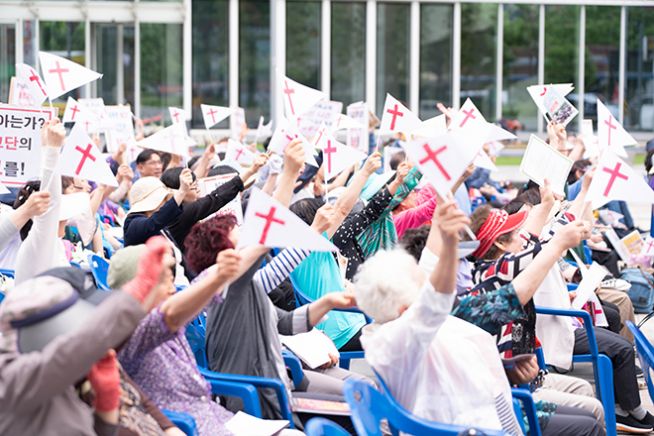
point(147, 194)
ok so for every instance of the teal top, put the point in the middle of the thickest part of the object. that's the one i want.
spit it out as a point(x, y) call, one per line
point(319, 275)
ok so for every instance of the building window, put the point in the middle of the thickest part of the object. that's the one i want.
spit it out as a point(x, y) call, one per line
point(639, 96)
point(254, 59)
point(7, 57)
point(161, 69)
point(520, 68)
point(435, 58)
point(303, 42)
point(348, 52)
point(479, 56)
point(393, 28)
point(210, 57)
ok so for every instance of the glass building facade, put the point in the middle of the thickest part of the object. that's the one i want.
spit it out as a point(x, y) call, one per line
point(156, 54)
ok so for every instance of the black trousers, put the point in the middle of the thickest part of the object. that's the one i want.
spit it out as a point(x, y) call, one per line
point(572, 421)
point(612, 316)
point(621, 353)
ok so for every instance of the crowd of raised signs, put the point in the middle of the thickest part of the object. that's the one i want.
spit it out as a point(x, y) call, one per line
point(144, 277)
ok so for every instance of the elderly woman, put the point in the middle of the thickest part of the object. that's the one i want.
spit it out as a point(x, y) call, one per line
point(437, 366)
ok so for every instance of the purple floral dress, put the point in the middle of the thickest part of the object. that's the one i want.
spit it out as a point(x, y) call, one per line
point(162, 364)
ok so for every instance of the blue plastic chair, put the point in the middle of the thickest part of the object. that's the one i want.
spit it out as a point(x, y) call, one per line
point(8, 272)
point(324, 427)
point(183, 421)
point(645, 355)
point(344, 356)
point(602, 365)
point(369, 407)
point(99, 270)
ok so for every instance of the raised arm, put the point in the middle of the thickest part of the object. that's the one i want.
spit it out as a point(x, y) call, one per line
point(450, 221)
point(537, 217)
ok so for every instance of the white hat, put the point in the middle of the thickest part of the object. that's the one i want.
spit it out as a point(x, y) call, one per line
point(147, 194)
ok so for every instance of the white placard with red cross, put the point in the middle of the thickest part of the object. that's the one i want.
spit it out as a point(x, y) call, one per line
point(358, 137)
point(442, 160)
point(20, 143)
point(397, 117)
point(299, 98)
point(610, 133)
point(239, 153)
point(212, 115)
point(96, 107)
point(267, 222)
point(82, 158)
point(431, 128)
point(538, 92)
point(470, 118)
point(179, 116)
point(237, 123)
point(336, 157)
point(648, 247)
point(61, 75)
point(284, 134)
point(172, 139)
point(75, 113)
point(263, 131)
point(29, 89)
point(616, 180)
point(210, 184)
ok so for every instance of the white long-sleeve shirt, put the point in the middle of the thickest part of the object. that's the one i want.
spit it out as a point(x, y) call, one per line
point(43, 249)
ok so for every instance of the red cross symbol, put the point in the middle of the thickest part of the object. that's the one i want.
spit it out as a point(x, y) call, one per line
point(288, 91)
point(611, 126)
point(86, 154)
point(328, 151)
point(469, 114)
point(290, 138)
point(396, 113)
point(212, 112)
point(239, 152)
point(433, 156)
point(74, 110)
point(615, 174)
point(270, 219)
point(320, 132)
point(176, 115)
point(35, 78)
point(59, 71)
point(544, 91)
point(649, 246)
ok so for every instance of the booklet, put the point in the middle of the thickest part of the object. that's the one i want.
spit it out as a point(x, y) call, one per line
point(541, 161)
point(592, 277)
point(558, 108)
point(313, 348)
point(242, 423)
point(320, 406)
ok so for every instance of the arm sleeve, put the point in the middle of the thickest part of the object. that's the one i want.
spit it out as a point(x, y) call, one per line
point(150, 333)
point(279, 268)
point(414, 217)
point(7, 230)
point(355, 224)
point(293, 322)
point(141, 228)
point(37, 253)
point(32, 380)
point(492, 310)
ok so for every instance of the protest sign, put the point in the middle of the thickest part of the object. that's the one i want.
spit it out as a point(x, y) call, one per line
point(20, 143)
point(558, 108)
point(541, 162)
point(119, 127)
point(358, 138)
point(324, 112)
point(234, 207)
point(237, 123)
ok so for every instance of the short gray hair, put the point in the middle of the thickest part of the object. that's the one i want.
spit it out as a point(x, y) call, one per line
point(387, 281)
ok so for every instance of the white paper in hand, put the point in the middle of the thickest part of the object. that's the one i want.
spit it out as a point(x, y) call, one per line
point(239, 153)
point(244, 424)
point(592, 278)
point(73, 205)
point(541, 162)
point(397, 117)
point(212, 115)
point(537, 92)
point(610, 133)
point(34, 90)
point(267, 222)
point(313, 348)
point(336, 156)
point(299, 98)
point(81, 158)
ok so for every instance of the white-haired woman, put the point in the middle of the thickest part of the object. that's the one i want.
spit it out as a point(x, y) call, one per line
point(439, 367)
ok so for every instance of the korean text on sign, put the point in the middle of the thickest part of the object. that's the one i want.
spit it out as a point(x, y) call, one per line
point(20, 143)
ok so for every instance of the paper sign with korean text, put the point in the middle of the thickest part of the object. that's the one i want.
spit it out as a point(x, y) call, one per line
point(234, 207)
point(358, 138)
point(20, 143)
point(119, 126)
point(22, 93)
point(324, 112)
point(541, 162)
point(558, 108)
point(237, 123)
point(96, 106)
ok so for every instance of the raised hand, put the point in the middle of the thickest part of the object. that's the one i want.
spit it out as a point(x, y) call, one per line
point(53, 133)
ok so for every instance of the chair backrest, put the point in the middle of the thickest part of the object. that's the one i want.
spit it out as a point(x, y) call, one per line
point(645, 354)
point(369, 408)
point(195, 334)
point(99, 270)
point(324, 427)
